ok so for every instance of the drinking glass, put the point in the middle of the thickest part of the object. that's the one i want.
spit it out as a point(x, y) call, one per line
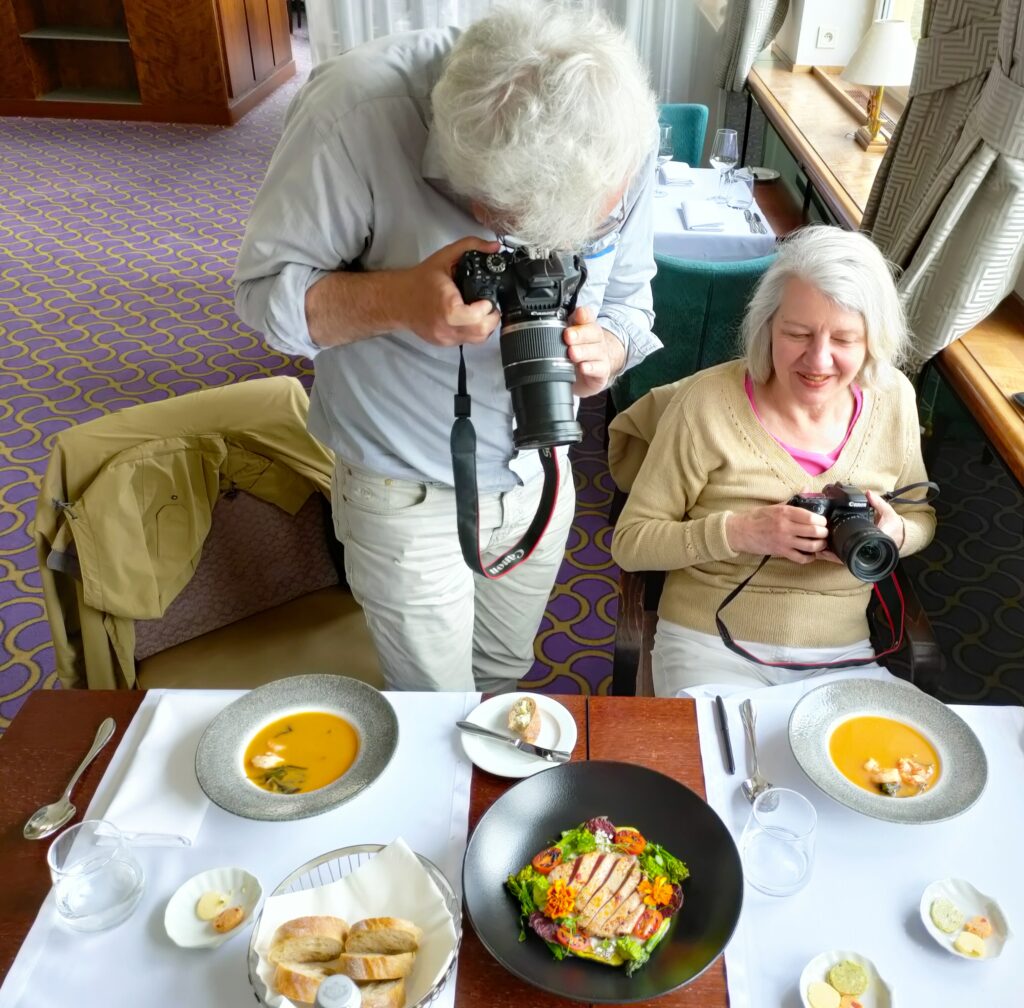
point(96, 879)
point(739, 189)
point(777, 843)
point(666, 151)
point(724, 155)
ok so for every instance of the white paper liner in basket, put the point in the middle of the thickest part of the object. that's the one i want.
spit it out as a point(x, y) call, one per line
point(367, 880)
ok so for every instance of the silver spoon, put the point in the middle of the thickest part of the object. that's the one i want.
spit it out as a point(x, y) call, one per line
point(756, 783)
point(50, 818)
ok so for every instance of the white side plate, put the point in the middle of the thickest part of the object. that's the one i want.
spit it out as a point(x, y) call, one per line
point(970, 903)
point(878, 994)
point(183, 926)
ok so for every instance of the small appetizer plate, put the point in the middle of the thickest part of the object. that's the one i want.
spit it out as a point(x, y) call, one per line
point(182, 922)
point(971, 903)
point(878, 993)
point(557, 731)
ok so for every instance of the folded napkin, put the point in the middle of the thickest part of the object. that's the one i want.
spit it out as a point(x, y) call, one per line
point(392, 883)
point(159, 800)
point(675, 173)
point(702, 215)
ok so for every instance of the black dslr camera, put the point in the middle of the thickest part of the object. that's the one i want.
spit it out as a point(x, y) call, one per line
point(535, 298)
point(869, 554)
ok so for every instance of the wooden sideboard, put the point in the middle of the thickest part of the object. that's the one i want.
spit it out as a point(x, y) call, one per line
point(202, 61)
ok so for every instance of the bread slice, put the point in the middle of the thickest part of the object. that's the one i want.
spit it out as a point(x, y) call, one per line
point(383, 934)
point(383, 994)
point(524, 719)
point(371, 966)
point(300, 981)
point(308, 939)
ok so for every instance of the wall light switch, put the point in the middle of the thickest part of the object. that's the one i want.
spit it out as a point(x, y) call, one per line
point(826, 38)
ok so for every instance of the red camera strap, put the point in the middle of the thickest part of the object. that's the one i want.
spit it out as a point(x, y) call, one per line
point(467, 508)
point(895, 631)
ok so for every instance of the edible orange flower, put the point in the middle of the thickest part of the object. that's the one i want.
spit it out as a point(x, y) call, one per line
point(656, 893)
point(561, 900)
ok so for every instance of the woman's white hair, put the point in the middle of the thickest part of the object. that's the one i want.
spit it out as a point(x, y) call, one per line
point(850, 271)
point(542, 115)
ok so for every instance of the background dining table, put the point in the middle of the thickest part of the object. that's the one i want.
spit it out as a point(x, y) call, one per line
point(54, 729)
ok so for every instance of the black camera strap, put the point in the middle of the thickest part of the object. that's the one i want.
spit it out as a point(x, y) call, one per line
point(463, 445)
point(896, 629)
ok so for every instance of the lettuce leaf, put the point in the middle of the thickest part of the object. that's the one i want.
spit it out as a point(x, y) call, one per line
point(575, 842)
point(655, 861)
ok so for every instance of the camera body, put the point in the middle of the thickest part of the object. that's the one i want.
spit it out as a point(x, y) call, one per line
point(535, 298)
point(869, 554)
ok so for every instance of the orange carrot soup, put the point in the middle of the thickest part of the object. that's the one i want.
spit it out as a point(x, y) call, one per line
point(884, 756)
point(301, 752)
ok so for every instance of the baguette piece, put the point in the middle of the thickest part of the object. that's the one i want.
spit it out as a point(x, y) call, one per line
point(371, 966)
point(308, 940)
point(383, 934)
point(383, 994)
point(300, 981)
point(524, 719)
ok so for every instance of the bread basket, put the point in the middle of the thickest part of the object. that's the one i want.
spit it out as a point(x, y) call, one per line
point(331, 867)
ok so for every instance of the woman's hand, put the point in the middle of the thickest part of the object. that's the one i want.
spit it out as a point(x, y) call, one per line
point(887, 518)
point(781, 530)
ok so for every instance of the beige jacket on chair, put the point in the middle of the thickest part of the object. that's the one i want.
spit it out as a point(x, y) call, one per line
point(126, 504)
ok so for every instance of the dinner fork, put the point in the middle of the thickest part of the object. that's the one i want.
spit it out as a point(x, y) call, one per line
point(749, 217)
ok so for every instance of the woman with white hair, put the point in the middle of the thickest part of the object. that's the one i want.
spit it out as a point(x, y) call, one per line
point(817, 400)
point(536, 126)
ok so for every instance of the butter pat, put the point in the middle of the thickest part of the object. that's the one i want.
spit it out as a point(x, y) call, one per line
point(969, 945)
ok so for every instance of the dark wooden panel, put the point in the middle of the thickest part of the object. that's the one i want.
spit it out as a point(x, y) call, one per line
point(81, 13)
point(237, 54)
point(16, 78)
point(106, 66)
point(177, 55)
point(258, 19)
point(280, 31)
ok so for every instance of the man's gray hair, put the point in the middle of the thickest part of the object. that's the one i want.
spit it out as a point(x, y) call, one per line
point(542, 115)
point(849, 270)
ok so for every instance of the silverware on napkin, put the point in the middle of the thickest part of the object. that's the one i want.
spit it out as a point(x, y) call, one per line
point(551, 755)
point(749, 218)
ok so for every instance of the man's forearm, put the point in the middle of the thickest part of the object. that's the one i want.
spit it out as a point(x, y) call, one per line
point(347, 307)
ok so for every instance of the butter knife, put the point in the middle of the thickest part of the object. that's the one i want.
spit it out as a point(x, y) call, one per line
point(551, 755)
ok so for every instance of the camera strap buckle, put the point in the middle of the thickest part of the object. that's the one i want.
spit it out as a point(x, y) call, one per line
point(467, 508)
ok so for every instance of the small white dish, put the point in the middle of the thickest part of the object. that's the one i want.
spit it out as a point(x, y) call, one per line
point(878, 993)
point(557, 731)
point(186, 929)
point(971, 903)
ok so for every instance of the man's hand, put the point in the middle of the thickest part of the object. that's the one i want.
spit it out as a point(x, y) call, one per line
point(431, 306)
point(781, 530)
point(597, 354)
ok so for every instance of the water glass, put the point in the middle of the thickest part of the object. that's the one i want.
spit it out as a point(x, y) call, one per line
point(739, 189)
point(777, 843)
point(666, 151)
point(724, 155)
point(96, 879)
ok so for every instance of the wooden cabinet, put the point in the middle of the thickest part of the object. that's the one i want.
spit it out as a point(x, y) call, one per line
point(205, 61)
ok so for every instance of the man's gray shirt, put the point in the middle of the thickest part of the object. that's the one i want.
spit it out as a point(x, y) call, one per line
point(355, 184)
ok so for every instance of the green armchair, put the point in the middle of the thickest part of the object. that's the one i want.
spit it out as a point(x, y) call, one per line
point(689, 125)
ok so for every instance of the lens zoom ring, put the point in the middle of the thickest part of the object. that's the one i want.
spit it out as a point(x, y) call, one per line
point(531, 343)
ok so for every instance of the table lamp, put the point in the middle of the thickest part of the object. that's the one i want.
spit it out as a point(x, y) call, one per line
point(885, 57)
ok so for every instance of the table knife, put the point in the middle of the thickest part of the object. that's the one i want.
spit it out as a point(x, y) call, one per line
point(551, 755)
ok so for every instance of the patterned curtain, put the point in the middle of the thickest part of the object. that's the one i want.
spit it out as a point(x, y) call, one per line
point(948, 200)
point(750, 25)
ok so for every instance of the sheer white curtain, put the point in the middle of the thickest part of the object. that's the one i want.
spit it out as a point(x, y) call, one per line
point(667, 33)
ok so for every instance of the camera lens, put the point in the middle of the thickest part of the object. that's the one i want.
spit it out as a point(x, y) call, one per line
point(539, 377)
point(869, 554)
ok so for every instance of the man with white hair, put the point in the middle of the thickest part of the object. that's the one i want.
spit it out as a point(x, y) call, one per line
point(535, 126)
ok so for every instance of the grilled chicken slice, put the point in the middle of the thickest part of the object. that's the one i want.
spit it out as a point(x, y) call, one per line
point(621, 868)
point(602, 869)
point(599, 922)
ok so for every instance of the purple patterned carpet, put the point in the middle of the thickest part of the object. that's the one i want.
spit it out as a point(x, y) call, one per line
point(117, 241)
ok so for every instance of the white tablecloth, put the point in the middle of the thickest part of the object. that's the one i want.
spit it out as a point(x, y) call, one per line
point(733, 243)
point(869, 875)
point(423, 796)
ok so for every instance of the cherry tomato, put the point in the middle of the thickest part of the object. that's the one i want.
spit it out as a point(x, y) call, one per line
point(630, 841)
point(647, 926)
point(572, 940)
point(547, 859)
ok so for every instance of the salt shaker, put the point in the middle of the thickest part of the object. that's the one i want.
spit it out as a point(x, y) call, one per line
point(338, 992)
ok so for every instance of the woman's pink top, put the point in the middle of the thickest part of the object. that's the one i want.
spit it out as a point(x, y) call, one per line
point(814, 463)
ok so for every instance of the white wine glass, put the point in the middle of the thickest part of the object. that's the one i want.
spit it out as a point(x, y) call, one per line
point(666, 151)
point(724, 155)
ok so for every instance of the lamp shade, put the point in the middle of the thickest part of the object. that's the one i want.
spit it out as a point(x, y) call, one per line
point(885, 56)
